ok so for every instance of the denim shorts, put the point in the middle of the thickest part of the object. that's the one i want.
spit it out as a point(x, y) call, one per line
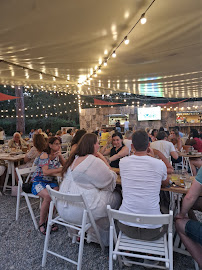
point(193, 229)
point(40, 185)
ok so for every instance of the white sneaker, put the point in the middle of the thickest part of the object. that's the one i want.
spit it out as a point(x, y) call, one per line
point(151, 262)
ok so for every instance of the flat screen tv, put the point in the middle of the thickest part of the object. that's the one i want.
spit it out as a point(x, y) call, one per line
point(151, 113)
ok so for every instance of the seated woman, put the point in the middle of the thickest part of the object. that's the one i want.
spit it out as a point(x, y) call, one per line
point(40, 144)
point(196, 142)
point(86, 171)
point(17, 142)
point(48, 164)
point(116, 152)
point(76, 139)
point(154, 135)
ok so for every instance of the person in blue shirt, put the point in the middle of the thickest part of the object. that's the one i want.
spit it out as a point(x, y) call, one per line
point(178, 129)
point(190, 231)
point(31, 133)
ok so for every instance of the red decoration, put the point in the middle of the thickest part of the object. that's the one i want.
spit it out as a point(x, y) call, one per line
point(171, 103)
point(6, 97)
point(103, 102)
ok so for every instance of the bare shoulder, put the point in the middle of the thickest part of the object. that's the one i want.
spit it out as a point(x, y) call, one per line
point(44, 156)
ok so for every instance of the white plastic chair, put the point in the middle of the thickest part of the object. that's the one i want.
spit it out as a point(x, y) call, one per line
point(80, 228)
point(25, 172)
point(159, 250)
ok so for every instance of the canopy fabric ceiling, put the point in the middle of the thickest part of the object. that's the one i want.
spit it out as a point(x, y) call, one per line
point(67, 38)
point(6, 97)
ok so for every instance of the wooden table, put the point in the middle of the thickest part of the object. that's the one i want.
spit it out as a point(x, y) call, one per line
point(11, 159)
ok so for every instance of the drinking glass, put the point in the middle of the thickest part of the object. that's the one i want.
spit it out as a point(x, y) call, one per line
point(187, 183)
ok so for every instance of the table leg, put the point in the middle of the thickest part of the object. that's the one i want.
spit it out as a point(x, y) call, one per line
point(7, 175)
point(190, 167)
point(10, 170)
point(13, 173)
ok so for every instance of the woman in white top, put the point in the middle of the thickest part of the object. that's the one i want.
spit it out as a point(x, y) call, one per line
point(86, 171)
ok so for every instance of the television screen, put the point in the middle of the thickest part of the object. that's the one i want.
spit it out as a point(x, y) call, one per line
point(152, 113)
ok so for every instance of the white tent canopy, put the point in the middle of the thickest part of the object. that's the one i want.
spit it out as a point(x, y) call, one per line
point(66, 39)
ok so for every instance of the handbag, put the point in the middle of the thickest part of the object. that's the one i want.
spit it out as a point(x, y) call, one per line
point(27, 187)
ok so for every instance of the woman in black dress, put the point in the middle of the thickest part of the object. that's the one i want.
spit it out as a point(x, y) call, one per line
point(116, 152)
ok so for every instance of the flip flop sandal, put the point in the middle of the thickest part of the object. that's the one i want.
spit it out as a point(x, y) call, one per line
point(43, 225)
point(54, 228)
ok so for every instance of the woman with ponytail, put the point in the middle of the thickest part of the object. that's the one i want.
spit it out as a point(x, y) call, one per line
point(86, 171)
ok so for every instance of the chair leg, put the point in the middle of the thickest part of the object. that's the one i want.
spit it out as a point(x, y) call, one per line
point(31, 212)
point(196, 265)
point(50, 215)
point(170, 250)
point(110, 248)
point(18, 202)
point(80, 255)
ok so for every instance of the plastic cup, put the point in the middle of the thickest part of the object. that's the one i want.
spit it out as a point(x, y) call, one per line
point(187, 183)
point(182, 180)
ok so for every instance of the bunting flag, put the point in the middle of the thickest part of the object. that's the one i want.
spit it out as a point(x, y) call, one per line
point(103, 102)
point(171, 103)
point(6, 97)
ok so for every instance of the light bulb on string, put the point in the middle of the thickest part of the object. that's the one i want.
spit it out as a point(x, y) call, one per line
point(95, 75)
point(114, 54)
point(126, 40)
point(99, 70)
point(143, 20)
point(40, 76)
point(105, 63)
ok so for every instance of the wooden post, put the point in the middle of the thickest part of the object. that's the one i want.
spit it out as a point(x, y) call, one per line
point(20, 109)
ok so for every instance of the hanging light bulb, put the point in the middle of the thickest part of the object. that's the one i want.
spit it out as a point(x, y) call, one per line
point(99, 70)
point(126, 40)
point(143, 19)
point(114, 54)
point(40, 76)
point(54, 78)
point(95, 75)
point(105, 63)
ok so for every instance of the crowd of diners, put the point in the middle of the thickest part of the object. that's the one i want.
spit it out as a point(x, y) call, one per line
point(143, 159)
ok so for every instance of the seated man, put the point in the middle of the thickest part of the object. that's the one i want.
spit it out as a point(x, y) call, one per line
point(17, 142)
point(190, 231)
point(165, 147)
point(67, 137)
point(142, 177)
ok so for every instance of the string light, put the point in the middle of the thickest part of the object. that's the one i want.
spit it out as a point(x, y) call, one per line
point(143, 20)
point(114, 54)
point(126, 40)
